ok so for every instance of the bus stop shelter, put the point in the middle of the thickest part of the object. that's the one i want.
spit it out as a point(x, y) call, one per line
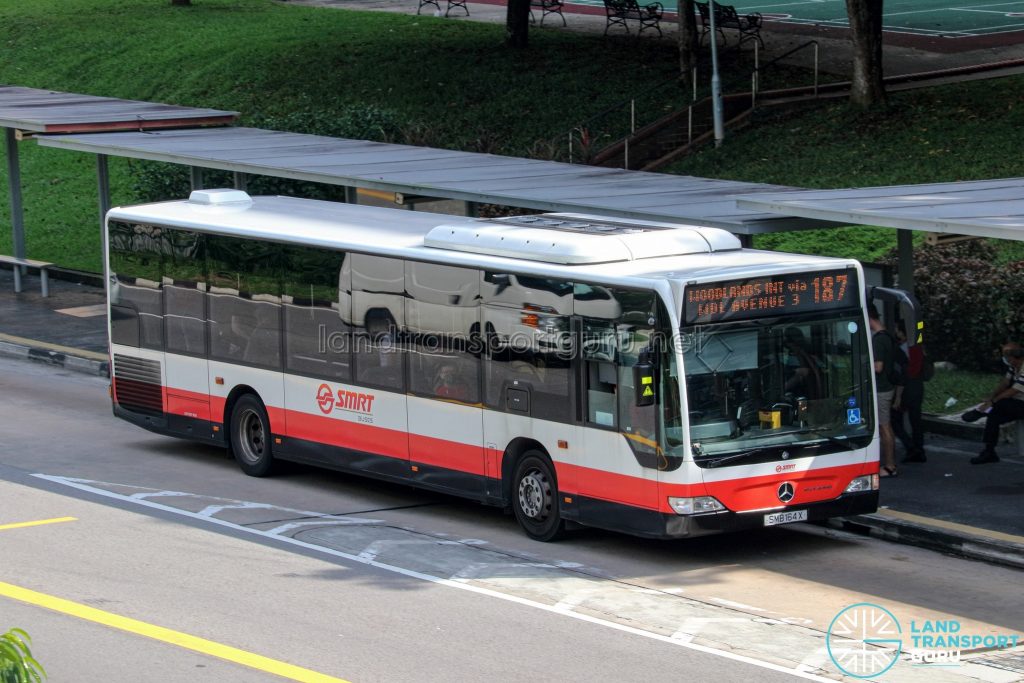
point(979, 208)
point(472, 178)
point(26, 112)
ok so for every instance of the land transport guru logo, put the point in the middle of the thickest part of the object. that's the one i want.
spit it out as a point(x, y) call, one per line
point(350, 401)
point(865, 640)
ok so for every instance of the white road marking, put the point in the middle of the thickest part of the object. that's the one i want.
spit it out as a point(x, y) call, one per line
point(84, 485)
point(737, 605)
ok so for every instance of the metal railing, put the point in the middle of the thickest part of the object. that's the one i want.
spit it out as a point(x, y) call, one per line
point(582, 138)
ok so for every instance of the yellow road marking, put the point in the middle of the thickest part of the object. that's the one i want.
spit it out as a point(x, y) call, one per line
point(166, 635)
point(67, 350)
point(39, 522)
point(952, 526)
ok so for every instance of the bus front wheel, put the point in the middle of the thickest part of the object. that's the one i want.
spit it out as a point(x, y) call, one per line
point(250, 437)
point(535, 498)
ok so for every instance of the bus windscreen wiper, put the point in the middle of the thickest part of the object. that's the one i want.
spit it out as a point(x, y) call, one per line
point(739, 456)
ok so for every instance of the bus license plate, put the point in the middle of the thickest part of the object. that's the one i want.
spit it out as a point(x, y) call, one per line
point(785, 517)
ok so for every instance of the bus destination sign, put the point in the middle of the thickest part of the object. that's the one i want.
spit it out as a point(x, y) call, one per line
point(757, 297)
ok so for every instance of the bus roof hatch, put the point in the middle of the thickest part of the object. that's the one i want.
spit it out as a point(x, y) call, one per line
point(578, 240)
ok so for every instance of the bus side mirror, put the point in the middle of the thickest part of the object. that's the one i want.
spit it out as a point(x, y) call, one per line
point(643, 382)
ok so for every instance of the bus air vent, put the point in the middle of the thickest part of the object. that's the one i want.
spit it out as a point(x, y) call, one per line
point(137, 385)
point(577, 240)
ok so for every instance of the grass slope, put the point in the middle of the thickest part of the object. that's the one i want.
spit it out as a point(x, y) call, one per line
point(456, 86)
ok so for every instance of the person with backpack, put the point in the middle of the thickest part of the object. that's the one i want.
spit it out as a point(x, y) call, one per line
point(914, 368)
point(883, 349)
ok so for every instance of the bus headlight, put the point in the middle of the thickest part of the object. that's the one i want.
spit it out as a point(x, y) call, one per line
point(694, 506)
point(869, 482)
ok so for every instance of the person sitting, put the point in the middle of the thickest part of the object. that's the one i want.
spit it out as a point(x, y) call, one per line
point(448, 384)
point(1004, 405)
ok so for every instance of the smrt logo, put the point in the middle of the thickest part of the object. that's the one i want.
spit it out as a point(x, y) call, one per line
point(350, 401)
point(785, 468)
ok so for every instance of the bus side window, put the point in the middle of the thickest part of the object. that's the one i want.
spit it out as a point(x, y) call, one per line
point(136, 264)
point(378, 320)
point(244, 301)
point(185, 292)
point(317, 312)
point(526, 327)
point(443, 321)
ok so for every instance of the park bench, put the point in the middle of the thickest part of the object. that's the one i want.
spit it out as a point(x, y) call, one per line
point(18, 263)
point(748, 26)
point(547, 7)
point(620, 11)
point(452, 4)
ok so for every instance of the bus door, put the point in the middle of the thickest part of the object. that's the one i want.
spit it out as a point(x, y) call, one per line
point(620, 459)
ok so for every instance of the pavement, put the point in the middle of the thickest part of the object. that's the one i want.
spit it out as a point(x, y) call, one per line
point(945, 504)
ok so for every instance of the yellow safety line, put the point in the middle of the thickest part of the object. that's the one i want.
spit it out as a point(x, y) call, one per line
point(40, 522)
point(166, 635)
point(952, 526)
point(68, 350)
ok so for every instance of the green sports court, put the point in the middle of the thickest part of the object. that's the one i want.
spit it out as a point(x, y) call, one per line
point(945, 19)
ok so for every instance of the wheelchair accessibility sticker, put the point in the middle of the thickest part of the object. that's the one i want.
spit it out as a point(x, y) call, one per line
point(853, 416)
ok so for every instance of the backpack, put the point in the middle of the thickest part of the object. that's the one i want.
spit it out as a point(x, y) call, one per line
point(900, 363)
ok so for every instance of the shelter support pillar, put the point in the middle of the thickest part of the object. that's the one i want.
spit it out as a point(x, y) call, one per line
point(196, 177)
point(14, 184)
point(103, 192)
point(746, 241)
point(472, 209)
point(905, 255)
point(241, 181)
point(351, 195)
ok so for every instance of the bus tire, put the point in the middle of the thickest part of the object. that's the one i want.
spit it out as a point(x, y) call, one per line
point(250, 437)
point(535, 498)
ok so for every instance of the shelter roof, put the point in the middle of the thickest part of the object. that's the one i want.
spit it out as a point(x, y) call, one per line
point(48, 111)
point(981, 208)
point(465, 176)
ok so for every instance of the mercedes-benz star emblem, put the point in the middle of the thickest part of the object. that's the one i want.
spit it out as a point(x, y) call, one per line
point(786, 492)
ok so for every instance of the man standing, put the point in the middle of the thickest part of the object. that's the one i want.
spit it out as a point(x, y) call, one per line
point(883, 347)
point(1005, 404)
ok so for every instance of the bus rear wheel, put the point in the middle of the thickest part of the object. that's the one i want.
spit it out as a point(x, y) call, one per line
point(250, 437)
point(535, 498)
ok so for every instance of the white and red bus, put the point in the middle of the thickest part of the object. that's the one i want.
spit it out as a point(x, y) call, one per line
point(648, 378)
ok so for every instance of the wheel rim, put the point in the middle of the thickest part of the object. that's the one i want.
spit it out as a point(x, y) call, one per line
point(535, 495)
point(251, 437)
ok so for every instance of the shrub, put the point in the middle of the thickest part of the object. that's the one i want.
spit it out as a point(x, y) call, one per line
point(971, 304)
point(16, 662)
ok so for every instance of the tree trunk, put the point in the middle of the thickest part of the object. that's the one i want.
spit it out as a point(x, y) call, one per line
point(517, 24)
point(687, 40)
point(866, 26)
point(181, 2)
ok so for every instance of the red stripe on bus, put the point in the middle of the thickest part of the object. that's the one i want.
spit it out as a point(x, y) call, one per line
point(809, 486)
point(360, 437)
point(618, 488)
point(448, 454)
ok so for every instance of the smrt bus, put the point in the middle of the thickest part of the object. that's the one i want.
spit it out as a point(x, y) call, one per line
point(646, 378)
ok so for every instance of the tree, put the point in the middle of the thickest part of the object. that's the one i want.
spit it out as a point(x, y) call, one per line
point(868, 88)
point(687, 39)
point(517, 23)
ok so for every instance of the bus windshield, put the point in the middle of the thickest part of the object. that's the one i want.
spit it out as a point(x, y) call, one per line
point(778, 382)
